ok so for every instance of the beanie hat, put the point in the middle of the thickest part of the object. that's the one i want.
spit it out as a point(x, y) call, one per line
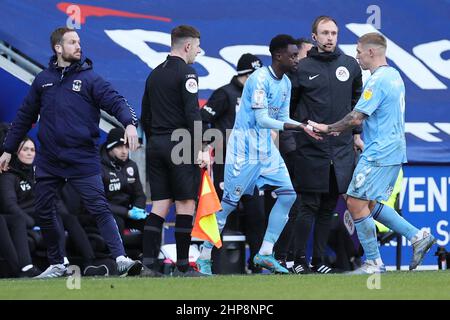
point(115, 138)
point(248, 63)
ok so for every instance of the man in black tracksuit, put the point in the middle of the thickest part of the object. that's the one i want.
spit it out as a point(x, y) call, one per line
point(220, 112)
point(329, 86)
point(67, 98)
point(123, 186)
point(169, 110)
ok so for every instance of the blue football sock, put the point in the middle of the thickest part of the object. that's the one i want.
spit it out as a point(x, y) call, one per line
point(391, 219)
point(367, 236)
point(221, 216)
point(279, 214)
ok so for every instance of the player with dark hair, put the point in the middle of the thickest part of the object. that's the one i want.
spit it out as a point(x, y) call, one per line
point(252, 158)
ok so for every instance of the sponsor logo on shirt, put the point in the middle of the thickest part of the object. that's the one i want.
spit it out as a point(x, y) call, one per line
point(209, 110)
point(367, 94)
point(191, 85)
point(342, 74)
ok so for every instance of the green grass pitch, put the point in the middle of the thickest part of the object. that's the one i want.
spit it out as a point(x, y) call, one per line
point(393, 285)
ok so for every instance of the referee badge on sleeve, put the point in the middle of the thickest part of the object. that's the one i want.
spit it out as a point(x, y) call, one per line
point(191, 85)
point(258, 99)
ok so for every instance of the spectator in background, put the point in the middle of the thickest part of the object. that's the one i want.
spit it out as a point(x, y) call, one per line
point(67, 98)
point(220, 112)
point(17, 192)
point(14, 247)
point(123, 187)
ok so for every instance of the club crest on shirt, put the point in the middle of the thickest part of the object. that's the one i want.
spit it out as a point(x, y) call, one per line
point(238, 190)
point(76, 85)
point(130, 171)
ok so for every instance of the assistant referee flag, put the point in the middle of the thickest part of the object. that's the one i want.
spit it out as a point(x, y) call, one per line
point(205, 226)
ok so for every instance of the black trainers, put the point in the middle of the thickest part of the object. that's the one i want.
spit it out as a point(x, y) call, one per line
point(96, 271)
point(190, 272)
point(150, 273)
point(301, 268)
point(30, 273)
point(324, 269)
point(252, 269)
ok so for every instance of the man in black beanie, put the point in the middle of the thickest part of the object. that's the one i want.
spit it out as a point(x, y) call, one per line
point(123, 187)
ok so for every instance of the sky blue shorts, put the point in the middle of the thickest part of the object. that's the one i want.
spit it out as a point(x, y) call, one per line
point(241, 176)
point(372, 182)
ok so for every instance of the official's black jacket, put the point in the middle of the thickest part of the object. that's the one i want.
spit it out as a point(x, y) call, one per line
point(17, 191)
point(220, 110)
point(329, 87)
point(123, 187)
point(170, 100)
point(287, 137)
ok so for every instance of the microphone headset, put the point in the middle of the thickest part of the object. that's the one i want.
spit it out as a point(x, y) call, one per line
point(318, 43)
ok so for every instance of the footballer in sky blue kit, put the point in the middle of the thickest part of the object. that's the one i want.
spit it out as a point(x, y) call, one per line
point(381, 109)
point(252, 158)
point(383, 102)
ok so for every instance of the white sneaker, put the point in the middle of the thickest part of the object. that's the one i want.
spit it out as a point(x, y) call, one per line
point(53, 271)
point(420, 248)
point(369, 267)
point(128, 267)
